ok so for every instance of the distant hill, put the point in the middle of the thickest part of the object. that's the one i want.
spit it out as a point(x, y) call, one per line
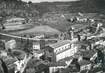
point(97, 6)
point(85, 6)
point(23, 9)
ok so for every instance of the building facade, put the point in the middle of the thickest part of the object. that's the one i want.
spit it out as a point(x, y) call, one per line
point(63, 49)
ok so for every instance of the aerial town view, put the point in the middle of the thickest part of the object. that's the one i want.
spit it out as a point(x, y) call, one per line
point(52, 36)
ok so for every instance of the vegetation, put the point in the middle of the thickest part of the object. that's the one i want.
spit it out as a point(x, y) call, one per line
point(16, 8)
point(23, 9)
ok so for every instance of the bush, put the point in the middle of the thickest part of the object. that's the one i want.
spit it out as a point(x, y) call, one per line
point(30, 70)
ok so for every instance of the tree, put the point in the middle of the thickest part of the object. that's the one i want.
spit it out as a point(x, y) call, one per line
point(95, 5)
point(5, 69)
point(29, 2)
point(88, 6)
point(28, 46)
point(101, 59)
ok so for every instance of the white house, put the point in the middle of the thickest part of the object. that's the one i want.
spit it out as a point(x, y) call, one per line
point(10, 44)
point(63, 49)
point(38, 45)
point(85, 65)
point(3, 53)
point(53, 67)
point(38, 54)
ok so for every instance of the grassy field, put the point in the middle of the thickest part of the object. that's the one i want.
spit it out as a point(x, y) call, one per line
point(39, 29)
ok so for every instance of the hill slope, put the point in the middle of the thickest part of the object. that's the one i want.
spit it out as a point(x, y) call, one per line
point(23, 9)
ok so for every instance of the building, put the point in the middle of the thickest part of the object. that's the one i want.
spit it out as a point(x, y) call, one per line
point(15, 20)
point(74, 67)
point(3, 54)
point(62, 49)
point(90, 55)
point(11, 44)
point(67, 60)
point(38, 54)
point(85, 65)
point(84, 45)
point(75, 29)
point(39, 36)
point(56, 67)
point(37, 45)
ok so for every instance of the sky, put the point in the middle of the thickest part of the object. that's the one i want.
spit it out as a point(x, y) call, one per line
point(37, 1)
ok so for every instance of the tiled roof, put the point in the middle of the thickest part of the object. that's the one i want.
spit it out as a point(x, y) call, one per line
point(88, 53)
point(85, 43)
point(60, 43)
point(83, 71)
point(66, 59)
point(39, 52)
point(70, 70)
point(55, 64)
point(84, 62)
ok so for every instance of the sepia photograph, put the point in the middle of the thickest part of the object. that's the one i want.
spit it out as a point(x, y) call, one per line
point(52, 36)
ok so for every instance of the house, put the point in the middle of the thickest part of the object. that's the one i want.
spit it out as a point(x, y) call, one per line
point(73, 67)
point(85, 65)
point(38, 54)
point(78, 27)
point(63, 49)
point(84, 45)
point(67, 60)
point(38, 65)
point(55, 67)
point(90, 55)
point(3, 53)
point(74, 29)
point(70, 70)
point(11, 44)
point(14, 20)
point(42, 68)
point(39, 36)
point(37, 45)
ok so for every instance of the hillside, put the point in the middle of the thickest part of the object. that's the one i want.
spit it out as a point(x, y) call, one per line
point(16, 8)
point(50, 11)
point(23, 9)
point(85, 6)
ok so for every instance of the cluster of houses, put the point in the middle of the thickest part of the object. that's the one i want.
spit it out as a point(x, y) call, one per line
point(79, 54)
point(82, 53)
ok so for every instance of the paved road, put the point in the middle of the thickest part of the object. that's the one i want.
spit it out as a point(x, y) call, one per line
point(13, 36)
